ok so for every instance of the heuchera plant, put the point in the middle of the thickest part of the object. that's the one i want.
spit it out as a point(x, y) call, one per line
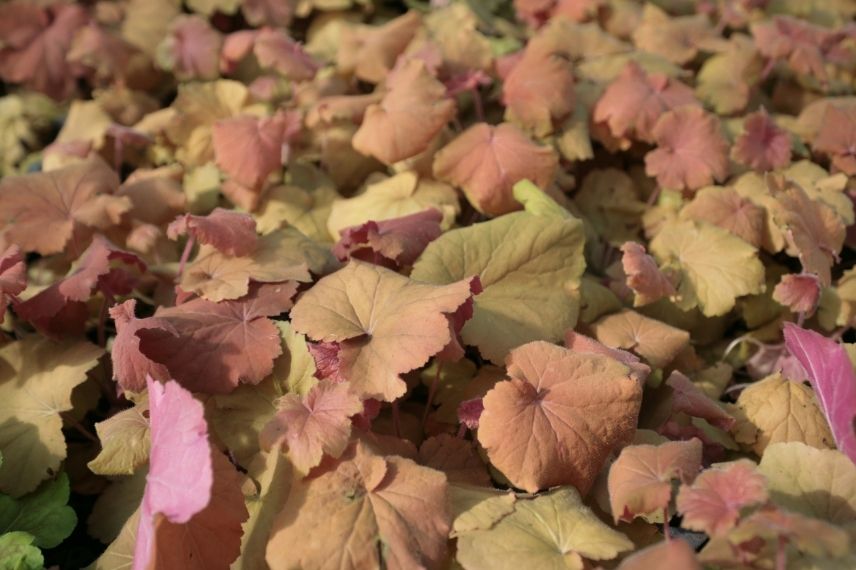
point(436, 284)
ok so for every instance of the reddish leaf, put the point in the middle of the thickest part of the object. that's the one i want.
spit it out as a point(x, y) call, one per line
point(675, 554)
point(538, 91)
point(313, 426)
point(763, 145)
point(94, 272)
point(34, 42)
point(487, 161)
point(833, 379)
point(455, 457)
point(219, 345)
point(274, 49)
point(369, 52)
point(231, 232)
point(640, 480)
point(714, 501)
point(559, 417)
point(249, 149)
point(396, 242)
point(13, 276)
point(192, 49)
point(634, 101)
point(688, 398)
point(691, 151)
point(798, 292)
point(643, 276)
point(837, 138)
point(130, 366)
point(805, 46)
point(45, 212)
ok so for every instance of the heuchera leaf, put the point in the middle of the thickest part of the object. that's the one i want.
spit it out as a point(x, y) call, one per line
point(634, 101)
point(125, 441)
point(217, 345)
point(315, 425)
point(180, 476)
point(369, 52)
point(558, 417)
point(46, 212)
point(554, 530)
point(31, 437)
point(798, 292)
point(674, 553)
point(385, 324)
point(835, 138)
point(365, 511)
point(640, 480)
point(96, 270)
point(486, 161)
point(538, 91)
point(413, 111)
point(230, 232)
point(689, 399)
point(649, 284)
point(713, 503)
point(763, 145)
point(726, 208)
point(691, 151)
point(397, 242)
point(13, 276)
point(833, 379)
point(525, 264)
point(653, 340)
point(715, 267)
point(762, 420)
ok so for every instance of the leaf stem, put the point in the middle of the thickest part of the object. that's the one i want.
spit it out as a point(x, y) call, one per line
point(781, 554)
point(666, 530)
point(188, 247)
point(432, 391)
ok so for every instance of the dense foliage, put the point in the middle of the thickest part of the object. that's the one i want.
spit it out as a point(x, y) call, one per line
point(454, 284)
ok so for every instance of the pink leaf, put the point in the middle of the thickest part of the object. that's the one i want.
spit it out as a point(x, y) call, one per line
point(799, 292)
point(634, 101)
point(763, 145)
point(231, 232)
point(393, 243)
point(833, 379)
point(691, 151)
point(220, 345)
point(130, 366)
point(313, 426)
point(643, 276)
point(13, 276)
point(180, 469)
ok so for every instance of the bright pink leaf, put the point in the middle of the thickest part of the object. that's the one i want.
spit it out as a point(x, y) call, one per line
point(691, 151)
point(231, 232)
point(181, 475)
point(220, 345)
point(315, 425)
point(833, 379)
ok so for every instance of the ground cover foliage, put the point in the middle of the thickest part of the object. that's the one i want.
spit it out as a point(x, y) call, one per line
point(453, 284)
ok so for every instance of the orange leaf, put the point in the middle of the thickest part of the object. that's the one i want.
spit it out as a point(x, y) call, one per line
point(640, 480)
point(559, 417)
